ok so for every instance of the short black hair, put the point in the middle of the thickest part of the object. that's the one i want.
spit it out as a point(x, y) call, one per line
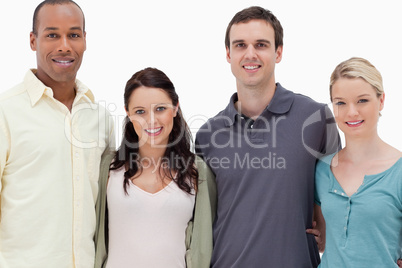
point(51, 2)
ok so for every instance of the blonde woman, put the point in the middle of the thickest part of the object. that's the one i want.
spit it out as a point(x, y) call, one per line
point(359, 188)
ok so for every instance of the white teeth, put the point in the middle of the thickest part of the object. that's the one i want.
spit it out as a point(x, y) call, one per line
point(251, 67)
point(354, 123)
point(153, 131)
point(63, 61)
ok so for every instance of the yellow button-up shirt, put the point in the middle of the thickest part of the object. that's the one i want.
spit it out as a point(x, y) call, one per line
point(49, 167)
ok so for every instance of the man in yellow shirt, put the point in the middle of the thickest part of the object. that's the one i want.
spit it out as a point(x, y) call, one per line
point(52, 138)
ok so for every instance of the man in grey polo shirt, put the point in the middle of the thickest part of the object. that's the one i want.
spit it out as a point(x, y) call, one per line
point(263, 148)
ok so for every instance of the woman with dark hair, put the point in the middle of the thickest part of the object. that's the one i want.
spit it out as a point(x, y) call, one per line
point(160, 196)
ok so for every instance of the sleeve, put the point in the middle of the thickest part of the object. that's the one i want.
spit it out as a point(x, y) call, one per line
point(111, 137)
point(101, 234)
point(316, 194)
point(4, 152)
point(331, 141)
point(399, 175)
point(4, 146)
point(322, 178)
point(199, 236)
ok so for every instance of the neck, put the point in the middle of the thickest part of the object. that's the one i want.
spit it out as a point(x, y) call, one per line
point(62, 91)
point(252, 101)
point(151, 154)
point(65, 94)
point(363, 149)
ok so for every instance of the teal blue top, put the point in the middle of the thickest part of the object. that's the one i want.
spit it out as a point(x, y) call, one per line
point(365, 229)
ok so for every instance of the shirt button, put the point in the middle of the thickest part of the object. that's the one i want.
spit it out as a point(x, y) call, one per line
point(345, 228)
point(77, 178)
point(77, 155)
point(335, 191)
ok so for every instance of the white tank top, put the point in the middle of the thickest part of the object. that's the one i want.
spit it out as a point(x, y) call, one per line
point(147, 230)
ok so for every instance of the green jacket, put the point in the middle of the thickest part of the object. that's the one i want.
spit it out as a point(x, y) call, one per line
point(198, 233)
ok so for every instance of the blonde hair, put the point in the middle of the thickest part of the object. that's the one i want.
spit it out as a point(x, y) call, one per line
point(358, 68)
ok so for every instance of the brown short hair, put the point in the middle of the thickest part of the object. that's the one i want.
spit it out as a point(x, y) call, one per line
point(256, 13)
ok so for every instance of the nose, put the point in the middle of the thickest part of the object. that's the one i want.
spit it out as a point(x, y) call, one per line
point(250, 52)
point(352, 110)
point(151, 119)
point(64, 44)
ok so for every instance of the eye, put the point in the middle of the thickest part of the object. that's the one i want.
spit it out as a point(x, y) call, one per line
point(160, 108)
point(363, 101)
point(339, 103)
point(139, 111)
point(240, 45)
point(52, 35)
point(74, 35)
point(260, 45)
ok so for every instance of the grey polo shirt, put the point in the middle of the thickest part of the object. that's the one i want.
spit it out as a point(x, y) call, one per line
point(265, 180)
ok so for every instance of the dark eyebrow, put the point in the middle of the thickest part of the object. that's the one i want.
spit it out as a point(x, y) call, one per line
point(237, 41)
point(76, 28)
point(55, 28)
point(263, 41)
point(137, 107)
point(51, 29)
point(257, 41)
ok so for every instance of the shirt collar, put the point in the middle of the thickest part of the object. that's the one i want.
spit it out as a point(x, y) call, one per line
point(282, 100)
point(36, 89)
point(280, 104)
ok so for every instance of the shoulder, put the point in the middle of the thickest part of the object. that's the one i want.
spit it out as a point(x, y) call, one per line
point(216, 120)
point(398, 165)
point(322, 174)
point(324, 163)
point(12, 93)
point(307, 102)
point(103, 110)
point(298, 104)
point(219, 121)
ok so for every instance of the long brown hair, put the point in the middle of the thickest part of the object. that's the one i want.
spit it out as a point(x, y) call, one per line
point(178, 156)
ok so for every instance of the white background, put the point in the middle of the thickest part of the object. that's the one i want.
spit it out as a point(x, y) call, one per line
point(185, 39)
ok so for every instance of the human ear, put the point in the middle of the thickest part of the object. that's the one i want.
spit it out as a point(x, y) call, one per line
point(382, 98)
point(279, 52)
point(32, 41)
point(127, 113)
point(228, 54)
point(176, 108)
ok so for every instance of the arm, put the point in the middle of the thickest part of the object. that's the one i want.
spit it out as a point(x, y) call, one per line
point(330, 144)
point(318, 228)
point(101, 235)
point(4, 148)
point(4, 153)
point(199, 235)
point(332, 141)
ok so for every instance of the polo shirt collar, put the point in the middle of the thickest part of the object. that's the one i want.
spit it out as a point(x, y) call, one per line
point(36, 89)
point(280, 104)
